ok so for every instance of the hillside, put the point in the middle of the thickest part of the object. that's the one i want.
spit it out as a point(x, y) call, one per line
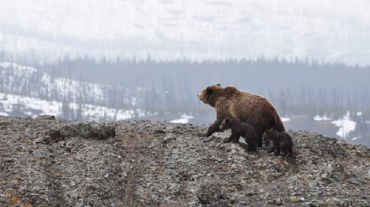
point(148, 163)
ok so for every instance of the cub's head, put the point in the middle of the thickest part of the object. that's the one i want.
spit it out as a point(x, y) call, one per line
point(209, 94)
point(225, 124)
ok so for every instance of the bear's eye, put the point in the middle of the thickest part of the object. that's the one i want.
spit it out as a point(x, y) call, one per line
point(209, 90)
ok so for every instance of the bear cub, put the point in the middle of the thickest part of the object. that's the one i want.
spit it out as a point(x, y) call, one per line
point(238, 129)
point(282, 141)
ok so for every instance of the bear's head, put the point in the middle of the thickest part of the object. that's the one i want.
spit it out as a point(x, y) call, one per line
point(225, 124)
point(209, 94)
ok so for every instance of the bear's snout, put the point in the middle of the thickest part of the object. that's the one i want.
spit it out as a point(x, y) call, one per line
point(201, 98)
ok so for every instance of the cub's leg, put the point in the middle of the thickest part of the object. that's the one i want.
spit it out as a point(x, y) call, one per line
point(273, 148)
point(252, 144)
point(233, 138)
point(277, 150)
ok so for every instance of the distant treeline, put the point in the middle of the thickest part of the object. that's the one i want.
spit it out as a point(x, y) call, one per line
point(167, 87)
point(294, 87)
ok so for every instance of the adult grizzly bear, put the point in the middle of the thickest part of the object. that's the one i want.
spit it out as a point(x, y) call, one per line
point(247, 107)
point(282, 142)
point(238, 129)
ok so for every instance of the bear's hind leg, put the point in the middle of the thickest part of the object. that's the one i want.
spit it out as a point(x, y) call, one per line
point(259, 138)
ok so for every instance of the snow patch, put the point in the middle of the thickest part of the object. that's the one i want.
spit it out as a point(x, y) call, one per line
point(285, 119)
point(17, 67)
point(356, 138)
point(3, 114)
point(183, 120)
point(34, 106)
point(321, 118)
point(345, 126)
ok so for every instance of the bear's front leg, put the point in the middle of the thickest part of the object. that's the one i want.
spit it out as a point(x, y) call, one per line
point(215, 127)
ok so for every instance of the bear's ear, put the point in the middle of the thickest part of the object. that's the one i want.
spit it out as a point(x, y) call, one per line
point(209, 90)
point(218, 84)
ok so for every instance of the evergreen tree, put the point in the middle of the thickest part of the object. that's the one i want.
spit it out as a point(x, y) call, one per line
point(65, 110)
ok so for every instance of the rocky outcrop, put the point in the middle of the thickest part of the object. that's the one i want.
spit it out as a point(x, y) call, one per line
point(45, 117)
point(144, 163)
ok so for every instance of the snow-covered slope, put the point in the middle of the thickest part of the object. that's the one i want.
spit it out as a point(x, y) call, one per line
point(18, 79)
point(26, 91)
point(15, 105)
point(331, 30)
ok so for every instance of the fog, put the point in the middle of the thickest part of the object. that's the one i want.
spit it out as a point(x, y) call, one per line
point(329, 31)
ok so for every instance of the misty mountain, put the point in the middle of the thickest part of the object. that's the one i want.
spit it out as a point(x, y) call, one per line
point(329, 31)
point(171, 87)
point(288, 85)
point(84, 89)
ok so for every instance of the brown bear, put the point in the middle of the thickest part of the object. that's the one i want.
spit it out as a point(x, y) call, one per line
point(238, 129)
point(247, 107)
point(282, 142)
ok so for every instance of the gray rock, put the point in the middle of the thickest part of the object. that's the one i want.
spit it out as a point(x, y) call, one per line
point(279, 201)
point(168, 138)
point(209, 192)
point(45, 117)
point(86, 130)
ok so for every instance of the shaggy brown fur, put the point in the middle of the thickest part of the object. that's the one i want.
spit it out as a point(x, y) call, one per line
point(238, 129)
point(244, 106)
point(282, 142)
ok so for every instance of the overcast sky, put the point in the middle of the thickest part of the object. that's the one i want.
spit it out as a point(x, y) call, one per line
point(330, 30)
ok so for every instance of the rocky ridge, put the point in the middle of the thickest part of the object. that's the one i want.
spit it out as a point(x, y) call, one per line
point(45, 162)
